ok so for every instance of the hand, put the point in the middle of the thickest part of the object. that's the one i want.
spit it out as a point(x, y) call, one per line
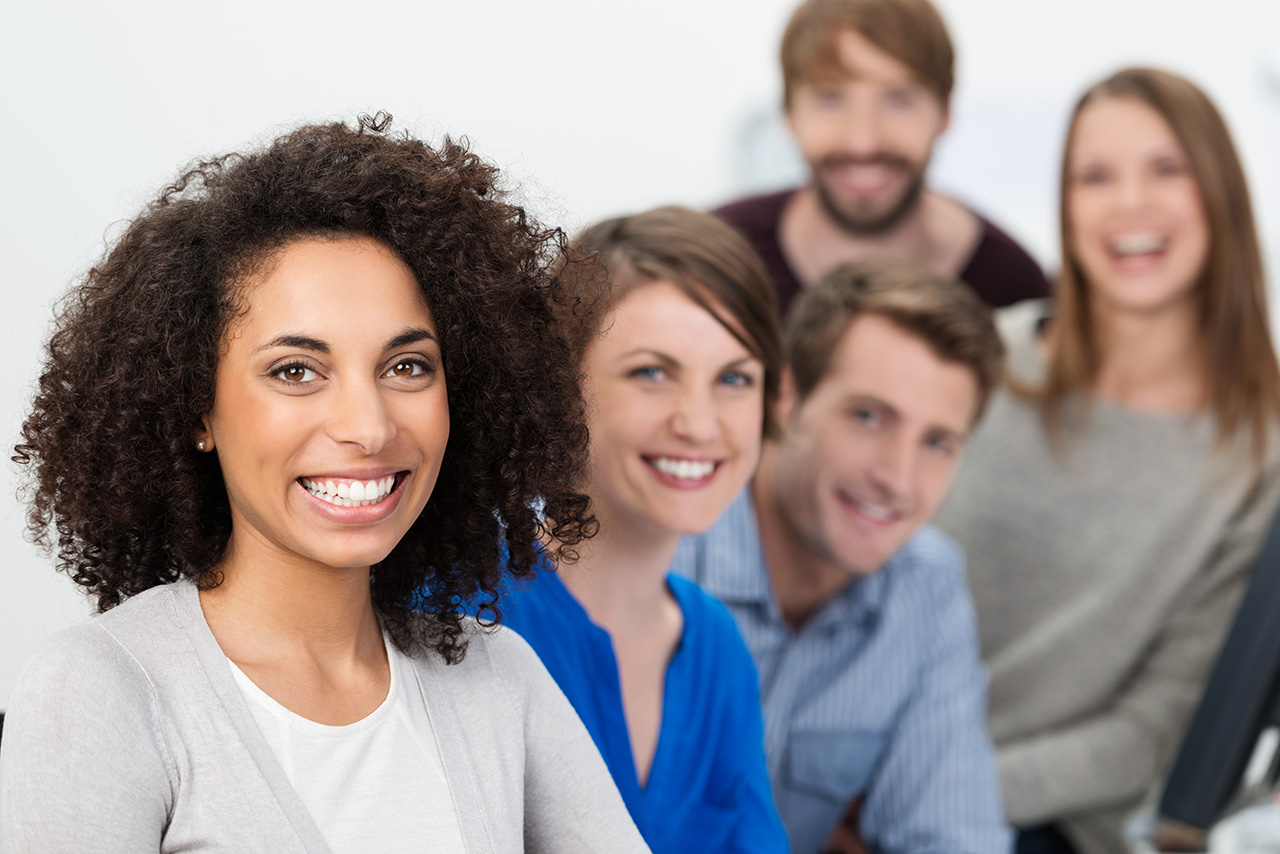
point(846, 837)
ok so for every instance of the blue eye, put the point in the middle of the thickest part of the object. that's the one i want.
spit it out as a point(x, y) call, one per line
point(651, 373)
point(867, 417)
point(737, 379)
point(900, 99)
point(294, 373)
point(943, 445)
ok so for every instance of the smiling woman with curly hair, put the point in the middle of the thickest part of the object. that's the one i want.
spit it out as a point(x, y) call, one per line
point(280, 434)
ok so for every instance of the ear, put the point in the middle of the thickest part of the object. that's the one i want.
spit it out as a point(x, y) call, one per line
point(203, 438)
point(788, 396)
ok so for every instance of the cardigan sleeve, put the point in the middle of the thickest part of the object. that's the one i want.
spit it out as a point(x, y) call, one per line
point(82, 768)
point(1113, 755)
point(570, 800)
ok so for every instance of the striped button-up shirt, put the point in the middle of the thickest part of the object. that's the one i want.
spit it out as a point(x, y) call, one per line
point(879, 695)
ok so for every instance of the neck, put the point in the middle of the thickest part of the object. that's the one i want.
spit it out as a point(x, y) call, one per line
point(1151, 362)
point(801, 579)
point(937, 231)
point(269, 606)
point(620, 576)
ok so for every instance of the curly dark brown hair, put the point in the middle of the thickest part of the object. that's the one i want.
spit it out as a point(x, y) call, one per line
point(117, 488)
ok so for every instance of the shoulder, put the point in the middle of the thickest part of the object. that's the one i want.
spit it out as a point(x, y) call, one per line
point(1001, 270)
point(755, 213)
point(108, 652)
point(498, 661)
point(928, 572)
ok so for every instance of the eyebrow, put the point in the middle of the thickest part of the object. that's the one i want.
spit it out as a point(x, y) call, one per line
point(306, 342)
point(675, 363)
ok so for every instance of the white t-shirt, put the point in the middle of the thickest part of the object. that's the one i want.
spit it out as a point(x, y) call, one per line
point(375, 785)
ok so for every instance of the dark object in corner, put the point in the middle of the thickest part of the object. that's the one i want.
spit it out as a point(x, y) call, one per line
point(1241, 700)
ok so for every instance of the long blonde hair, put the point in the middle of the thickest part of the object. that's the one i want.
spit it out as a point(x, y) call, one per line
point(1242, 374)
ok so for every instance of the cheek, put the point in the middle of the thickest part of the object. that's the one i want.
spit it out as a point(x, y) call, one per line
point(935, 480)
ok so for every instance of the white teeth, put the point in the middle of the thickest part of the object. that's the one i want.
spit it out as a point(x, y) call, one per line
point(684, 469)
point(878, 512)
point(1137, 244)
point(355, 493)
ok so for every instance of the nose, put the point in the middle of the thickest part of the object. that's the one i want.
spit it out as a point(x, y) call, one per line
point(894, 466)
point(694, 417)
point(1132, 191)
point(360, 417)
point(861, 128)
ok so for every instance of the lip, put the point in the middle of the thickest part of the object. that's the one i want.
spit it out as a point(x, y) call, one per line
point(859, 510)
point(685, 483)
point(357, 515)
point(866, 177)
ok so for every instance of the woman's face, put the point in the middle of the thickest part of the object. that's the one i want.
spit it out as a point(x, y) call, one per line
point(330, 417)
point(676, 411)
point(1135, 217)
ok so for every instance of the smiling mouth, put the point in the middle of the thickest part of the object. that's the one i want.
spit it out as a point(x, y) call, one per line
point(1138, 244)
point(352, 493)
point(690, 470)
point(873, 511)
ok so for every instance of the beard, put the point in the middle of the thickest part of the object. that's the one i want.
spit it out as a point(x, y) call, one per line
point(863, 218)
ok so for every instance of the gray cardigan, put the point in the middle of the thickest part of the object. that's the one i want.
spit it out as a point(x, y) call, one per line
point(128, 733)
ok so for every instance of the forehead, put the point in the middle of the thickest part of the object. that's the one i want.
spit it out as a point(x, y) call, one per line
point(849, 55)
point(334, 287)
point(1109, 127)
point(876, 358)
point(659, 315)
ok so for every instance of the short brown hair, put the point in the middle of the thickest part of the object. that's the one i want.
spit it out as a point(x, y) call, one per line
point(938, 309)
point(709, 261)
point(911, 31)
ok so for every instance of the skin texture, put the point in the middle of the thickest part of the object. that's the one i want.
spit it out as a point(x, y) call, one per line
point(1137, 229)
point(333, 373)
point(867, 137)
point(1131, 187)
point(870, 454)
point(665, 380)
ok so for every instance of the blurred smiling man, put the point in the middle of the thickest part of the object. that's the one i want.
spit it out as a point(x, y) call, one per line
point(867, 88)
point(855, 611)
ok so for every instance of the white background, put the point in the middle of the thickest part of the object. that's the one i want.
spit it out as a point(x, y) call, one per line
point(591, 107)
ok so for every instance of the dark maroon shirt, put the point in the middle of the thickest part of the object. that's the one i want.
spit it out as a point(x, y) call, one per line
point(1000, 271)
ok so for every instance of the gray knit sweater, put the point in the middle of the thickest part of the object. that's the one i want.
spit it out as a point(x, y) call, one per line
point(1105, 575)
point(129, 733)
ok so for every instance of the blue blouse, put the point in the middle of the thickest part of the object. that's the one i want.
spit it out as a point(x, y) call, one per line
point(708, 787)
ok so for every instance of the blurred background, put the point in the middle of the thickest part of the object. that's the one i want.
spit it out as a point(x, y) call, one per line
point(590, 108)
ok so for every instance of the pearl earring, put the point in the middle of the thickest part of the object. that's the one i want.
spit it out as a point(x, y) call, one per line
point(200, 445)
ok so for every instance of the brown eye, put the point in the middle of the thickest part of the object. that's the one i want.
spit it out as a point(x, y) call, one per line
point(295, 374)
point(407, 368)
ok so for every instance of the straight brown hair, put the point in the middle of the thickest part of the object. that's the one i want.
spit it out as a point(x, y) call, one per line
point(707, 259)
point(911, 31)
point(1242, 374)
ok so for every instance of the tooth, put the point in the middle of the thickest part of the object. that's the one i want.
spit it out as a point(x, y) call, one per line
point(344, 490)
point(370, 489)
point(357, 491)
point(330, 488)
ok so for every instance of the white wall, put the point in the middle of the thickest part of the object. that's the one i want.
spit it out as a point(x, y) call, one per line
point(592, 107)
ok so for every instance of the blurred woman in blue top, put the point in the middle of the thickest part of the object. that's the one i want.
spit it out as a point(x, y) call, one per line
point(675, 330)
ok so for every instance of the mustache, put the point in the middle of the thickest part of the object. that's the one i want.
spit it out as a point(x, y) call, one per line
point(880, 158)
